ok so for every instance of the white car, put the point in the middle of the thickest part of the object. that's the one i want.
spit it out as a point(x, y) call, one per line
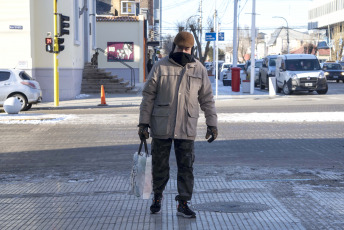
point(225, 70)
point(299, 72)
point(17, 83)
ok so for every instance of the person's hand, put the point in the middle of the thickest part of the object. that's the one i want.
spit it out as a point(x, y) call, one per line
point(211, 131)
point(143, 131)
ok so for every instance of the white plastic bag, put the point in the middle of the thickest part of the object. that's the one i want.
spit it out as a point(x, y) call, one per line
point(141, 174)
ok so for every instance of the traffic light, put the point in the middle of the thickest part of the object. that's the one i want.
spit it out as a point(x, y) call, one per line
point(60, 41)
point(63, 25)
point(49, 47)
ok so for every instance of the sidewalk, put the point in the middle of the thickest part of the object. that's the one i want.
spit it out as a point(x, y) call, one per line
point(92, 100)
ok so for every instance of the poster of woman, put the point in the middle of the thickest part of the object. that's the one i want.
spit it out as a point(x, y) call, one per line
point(120, 51)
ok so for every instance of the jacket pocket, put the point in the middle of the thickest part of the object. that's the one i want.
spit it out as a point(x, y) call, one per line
point(191, 126)
point(194, 83)
point(160, 120)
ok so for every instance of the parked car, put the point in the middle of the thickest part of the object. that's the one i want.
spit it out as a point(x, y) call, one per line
point(333, 71)
point(267, 70)
point(300, 72)
point(17, 83)
point(225, 69)
point(258, 64)
point(341, 63)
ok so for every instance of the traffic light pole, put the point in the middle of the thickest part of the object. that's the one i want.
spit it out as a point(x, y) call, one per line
point(56, 61)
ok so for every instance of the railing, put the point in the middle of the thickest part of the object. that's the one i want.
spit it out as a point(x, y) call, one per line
point(132, 71)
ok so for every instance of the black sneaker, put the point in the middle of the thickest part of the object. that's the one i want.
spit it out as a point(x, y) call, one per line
point(184, 210)
point(156, 205)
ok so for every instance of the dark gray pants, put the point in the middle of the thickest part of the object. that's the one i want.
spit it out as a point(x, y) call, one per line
point(184, 150)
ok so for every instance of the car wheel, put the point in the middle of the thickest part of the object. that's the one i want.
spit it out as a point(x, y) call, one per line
point(286, 89)
point(22, 100)
point(323, 91)
point(261, 83)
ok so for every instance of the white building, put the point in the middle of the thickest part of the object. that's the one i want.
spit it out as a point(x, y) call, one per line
point(278, 42)
point(24, 24)
point(329, 15)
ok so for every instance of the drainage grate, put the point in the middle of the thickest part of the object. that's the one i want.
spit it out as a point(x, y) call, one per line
point(231, 207)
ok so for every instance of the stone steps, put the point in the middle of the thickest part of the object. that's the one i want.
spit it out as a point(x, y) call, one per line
point(94, 78)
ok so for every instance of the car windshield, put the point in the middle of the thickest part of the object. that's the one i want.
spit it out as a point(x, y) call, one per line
point(226, 66)
point(302, 64)
point(272, 62)
point(24, 76)
point(258, 64)
point(332, 66)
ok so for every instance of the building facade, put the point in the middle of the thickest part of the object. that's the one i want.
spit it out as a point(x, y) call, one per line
point(24, 25)
point(328, 15)
point(122, 41)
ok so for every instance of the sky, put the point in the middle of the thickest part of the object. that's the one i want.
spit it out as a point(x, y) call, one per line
point(294, 11)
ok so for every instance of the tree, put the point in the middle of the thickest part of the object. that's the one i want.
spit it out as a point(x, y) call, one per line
point(244, 42)
point(167, 44)
point(221, 54)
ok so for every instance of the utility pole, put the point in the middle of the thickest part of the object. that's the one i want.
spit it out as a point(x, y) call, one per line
point(216, 50)
point(200, 26)
point(235, 36)
point(56, 61)
point(287, 31)
point(253, 46)
point(160, 23)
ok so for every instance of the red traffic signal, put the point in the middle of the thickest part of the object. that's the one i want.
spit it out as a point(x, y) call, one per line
point(49, 47)
point(48, 41)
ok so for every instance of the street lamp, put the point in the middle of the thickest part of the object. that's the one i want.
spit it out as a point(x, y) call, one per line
point(287, 29)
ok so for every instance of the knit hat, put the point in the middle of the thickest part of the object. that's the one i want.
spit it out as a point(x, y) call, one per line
point(184, 39)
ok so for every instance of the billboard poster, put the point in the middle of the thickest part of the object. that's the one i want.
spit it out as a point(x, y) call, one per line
point(120, 51)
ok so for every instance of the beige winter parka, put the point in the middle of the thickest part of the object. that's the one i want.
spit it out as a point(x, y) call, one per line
point(171, 99)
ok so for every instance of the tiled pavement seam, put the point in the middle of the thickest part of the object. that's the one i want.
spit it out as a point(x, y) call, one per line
point(104, 204)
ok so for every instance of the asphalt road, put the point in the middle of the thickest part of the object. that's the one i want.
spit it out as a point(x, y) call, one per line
point(312, 153)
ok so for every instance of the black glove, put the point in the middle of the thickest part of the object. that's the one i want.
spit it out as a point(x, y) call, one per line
point(211, 130)
point(143, 131)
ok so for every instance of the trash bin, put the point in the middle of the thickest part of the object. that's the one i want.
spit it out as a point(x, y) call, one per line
point(236, 79)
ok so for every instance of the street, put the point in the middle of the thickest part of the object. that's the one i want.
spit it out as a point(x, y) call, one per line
point(74, 173)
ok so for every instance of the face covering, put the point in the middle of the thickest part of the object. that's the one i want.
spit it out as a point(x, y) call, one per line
point(181, 58)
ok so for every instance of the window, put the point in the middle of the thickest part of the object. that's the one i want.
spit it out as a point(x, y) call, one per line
point(302, 64)
point(4, 76)
point(272, 62)
point(76, 23)
point(333, 66)
point(128, 7)
point(24, 76)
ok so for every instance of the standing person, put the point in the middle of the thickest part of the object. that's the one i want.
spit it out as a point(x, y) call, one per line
point(177, 85)
point(149, 64)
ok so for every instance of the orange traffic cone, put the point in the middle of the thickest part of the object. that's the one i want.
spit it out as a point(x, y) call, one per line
point(102, 97)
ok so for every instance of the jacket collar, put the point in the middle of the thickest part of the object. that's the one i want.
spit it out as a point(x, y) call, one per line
point(190, 65)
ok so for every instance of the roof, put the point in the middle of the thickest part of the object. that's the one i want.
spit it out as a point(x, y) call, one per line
point(105, 18)
point(323, 45)
point(322, 52)
point(283, 33)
